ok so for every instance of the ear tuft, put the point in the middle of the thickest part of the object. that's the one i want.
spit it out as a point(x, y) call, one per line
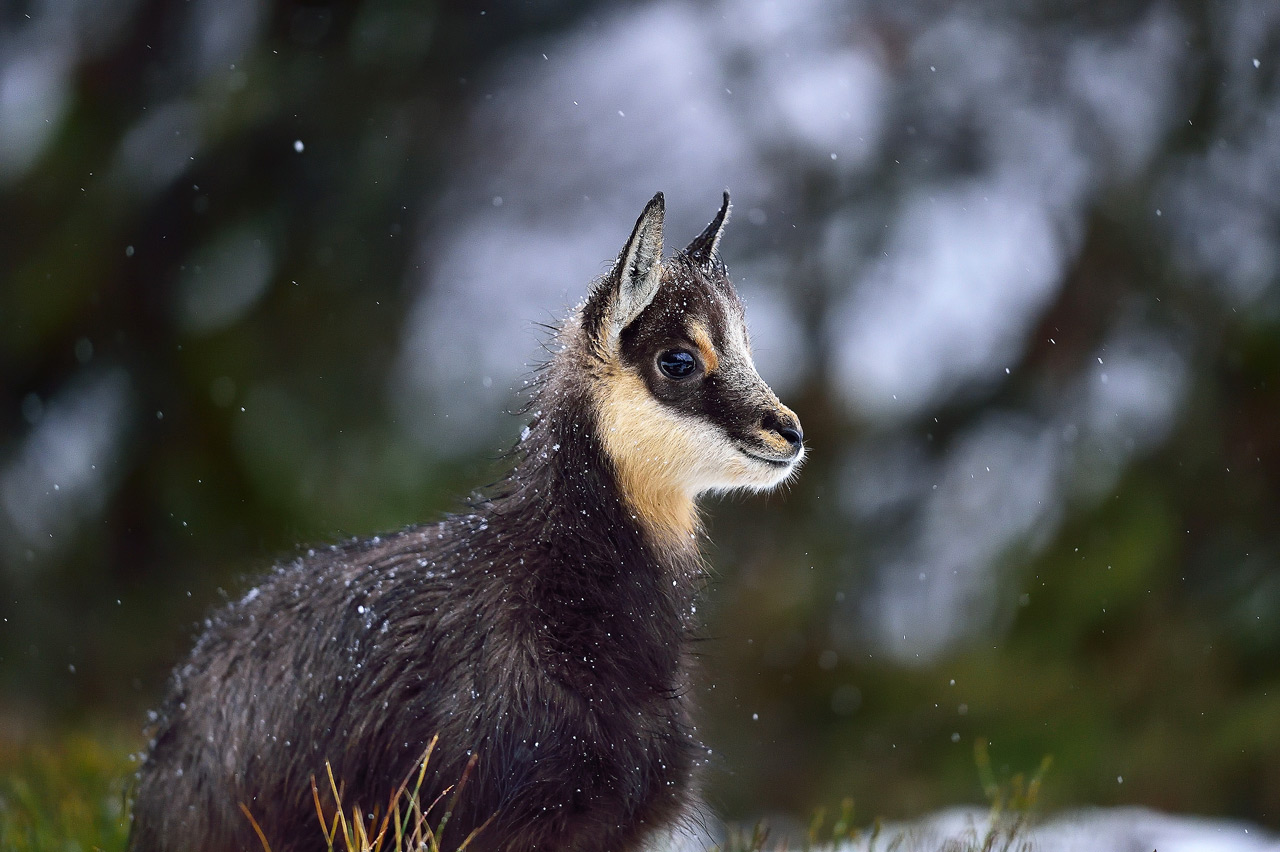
point(702, 250)
point(638, 271)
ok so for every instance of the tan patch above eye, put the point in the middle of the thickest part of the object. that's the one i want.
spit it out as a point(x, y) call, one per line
point(702, 340)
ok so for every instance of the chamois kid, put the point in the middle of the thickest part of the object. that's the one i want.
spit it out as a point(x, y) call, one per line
point(544, 637)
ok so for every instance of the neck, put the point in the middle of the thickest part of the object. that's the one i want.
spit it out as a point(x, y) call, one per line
point(667, 513)
point(591, 576)
point(569, 494)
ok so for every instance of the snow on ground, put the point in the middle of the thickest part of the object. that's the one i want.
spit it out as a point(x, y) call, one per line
point(1089, 830)
point(967, 829)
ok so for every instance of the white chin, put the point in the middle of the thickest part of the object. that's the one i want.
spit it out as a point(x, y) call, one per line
point(759, 474)
point(721, 466)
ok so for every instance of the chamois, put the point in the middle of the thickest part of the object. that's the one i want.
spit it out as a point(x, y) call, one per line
point(544, 637)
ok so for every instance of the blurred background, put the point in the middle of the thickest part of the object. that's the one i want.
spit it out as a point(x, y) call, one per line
point(271, 273)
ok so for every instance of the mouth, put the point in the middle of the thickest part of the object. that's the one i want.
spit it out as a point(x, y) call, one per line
point(772, 462)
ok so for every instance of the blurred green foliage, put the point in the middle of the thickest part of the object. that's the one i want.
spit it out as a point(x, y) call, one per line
point(66, 796)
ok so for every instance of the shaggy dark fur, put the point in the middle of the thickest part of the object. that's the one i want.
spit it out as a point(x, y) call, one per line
point(545, 635)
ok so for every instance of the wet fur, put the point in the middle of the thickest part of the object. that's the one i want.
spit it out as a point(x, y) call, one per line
point(546, 634)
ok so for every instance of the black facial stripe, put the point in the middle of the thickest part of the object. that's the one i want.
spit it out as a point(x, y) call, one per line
point(735, 400)
point(731, 397)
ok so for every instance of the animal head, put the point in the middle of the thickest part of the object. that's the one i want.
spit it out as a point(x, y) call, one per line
point(678, 404)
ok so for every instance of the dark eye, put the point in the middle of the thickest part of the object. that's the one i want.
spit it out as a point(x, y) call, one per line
point(677, 364)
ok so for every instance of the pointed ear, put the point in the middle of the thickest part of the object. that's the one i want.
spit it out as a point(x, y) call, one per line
point(638, 271)
point(702, 250)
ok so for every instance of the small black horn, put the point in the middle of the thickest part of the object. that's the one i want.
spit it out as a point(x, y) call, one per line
point(703, 248)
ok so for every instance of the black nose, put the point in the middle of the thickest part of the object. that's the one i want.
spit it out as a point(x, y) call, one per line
point(793, 436)
point(785, 425)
